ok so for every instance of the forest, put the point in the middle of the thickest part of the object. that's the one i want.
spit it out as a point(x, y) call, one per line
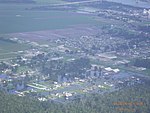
point(131, 99)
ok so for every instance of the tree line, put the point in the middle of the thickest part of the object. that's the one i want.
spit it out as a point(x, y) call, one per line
point(138, 97)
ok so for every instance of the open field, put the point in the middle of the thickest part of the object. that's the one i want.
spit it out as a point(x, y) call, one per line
point(14, 18)
point(11, 50)
point(48, 1)
point(32, 1)
point(72, 32)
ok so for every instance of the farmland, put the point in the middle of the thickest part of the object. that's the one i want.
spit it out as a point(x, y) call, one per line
point(14, 20)
point(32, 1)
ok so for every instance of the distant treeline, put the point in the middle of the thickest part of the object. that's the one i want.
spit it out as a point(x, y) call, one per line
point(17, 1)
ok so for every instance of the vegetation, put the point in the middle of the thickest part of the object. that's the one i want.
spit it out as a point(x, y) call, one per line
point(32, 1)
point(142, 63)
point(11, 50)
point(55, 68)
point(22, 20)
point(49, 1)
point(145, 28)
point(17, 1)
point(137, 96)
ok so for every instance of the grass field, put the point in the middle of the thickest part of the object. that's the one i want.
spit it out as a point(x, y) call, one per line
point(13, 47)
point(14, 18)
point(10, 49)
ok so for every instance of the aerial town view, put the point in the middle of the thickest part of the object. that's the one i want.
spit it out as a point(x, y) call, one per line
point(74, 56)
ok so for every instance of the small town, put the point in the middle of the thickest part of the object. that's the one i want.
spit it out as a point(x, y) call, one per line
point(74, 56)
